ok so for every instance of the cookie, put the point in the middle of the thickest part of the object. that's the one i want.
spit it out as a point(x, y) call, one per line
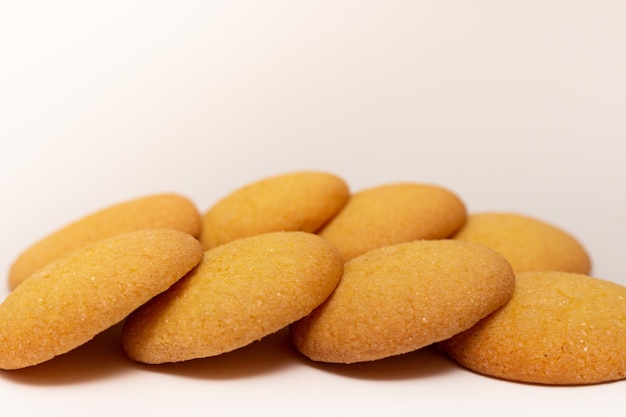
point(399, 298)
point(296, 201)
point(394, 213)
point(150, 212)
point(70, 300)
point(559, 328)
point(242, 291)
point(529, 244)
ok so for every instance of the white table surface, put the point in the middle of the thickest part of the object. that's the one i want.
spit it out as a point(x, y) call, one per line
point(517, 106)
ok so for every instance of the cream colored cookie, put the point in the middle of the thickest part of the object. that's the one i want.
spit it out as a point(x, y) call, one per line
point(242, 291)
point(296, 201)
point(558, 328)
point(399, 298)
point(67, 302)
point(394, 213)
point(150, 212)
point(528, 244)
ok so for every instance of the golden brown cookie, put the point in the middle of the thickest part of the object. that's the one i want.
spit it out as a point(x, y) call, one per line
point(150, 212)
point(558, 328)
point(528, 244)
point(67, 302)
point(394, 213)
point(242, 291)
point(399, 298)
point(296, 201)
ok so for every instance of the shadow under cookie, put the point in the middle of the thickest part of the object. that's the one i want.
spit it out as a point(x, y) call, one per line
point(100, 358)
point(422, 363)
point(270, 354)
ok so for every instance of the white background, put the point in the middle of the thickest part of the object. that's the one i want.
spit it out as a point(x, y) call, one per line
point(516, 106)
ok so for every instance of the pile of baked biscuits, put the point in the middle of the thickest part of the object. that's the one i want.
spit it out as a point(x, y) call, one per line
point(355, 277)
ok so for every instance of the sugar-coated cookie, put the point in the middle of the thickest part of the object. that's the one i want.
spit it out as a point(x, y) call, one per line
point(399, 298)
point(559, 328)
point(529, 244)
point(296, 201)
point(70, 300)
point(394, 213)
point(150, 212)
point(242, 291)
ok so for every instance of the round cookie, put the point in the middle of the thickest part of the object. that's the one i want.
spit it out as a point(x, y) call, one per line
point(559, 328)
point(67, 302)
point(394, 213)
point(149, 212)
point(402, 297)
point(242, 291)
point(296, 201)
point(528, 244)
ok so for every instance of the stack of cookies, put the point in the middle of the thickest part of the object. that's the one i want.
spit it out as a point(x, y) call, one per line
point(355, 277)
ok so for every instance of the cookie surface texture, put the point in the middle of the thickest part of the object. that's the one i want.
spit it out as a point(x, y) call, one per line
point(296, 201)
point(394, 213)
point(529, 244)
point(150, 212)
point(559, 328)
point(399, 298)
point(70, 300)
point(241, 292)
